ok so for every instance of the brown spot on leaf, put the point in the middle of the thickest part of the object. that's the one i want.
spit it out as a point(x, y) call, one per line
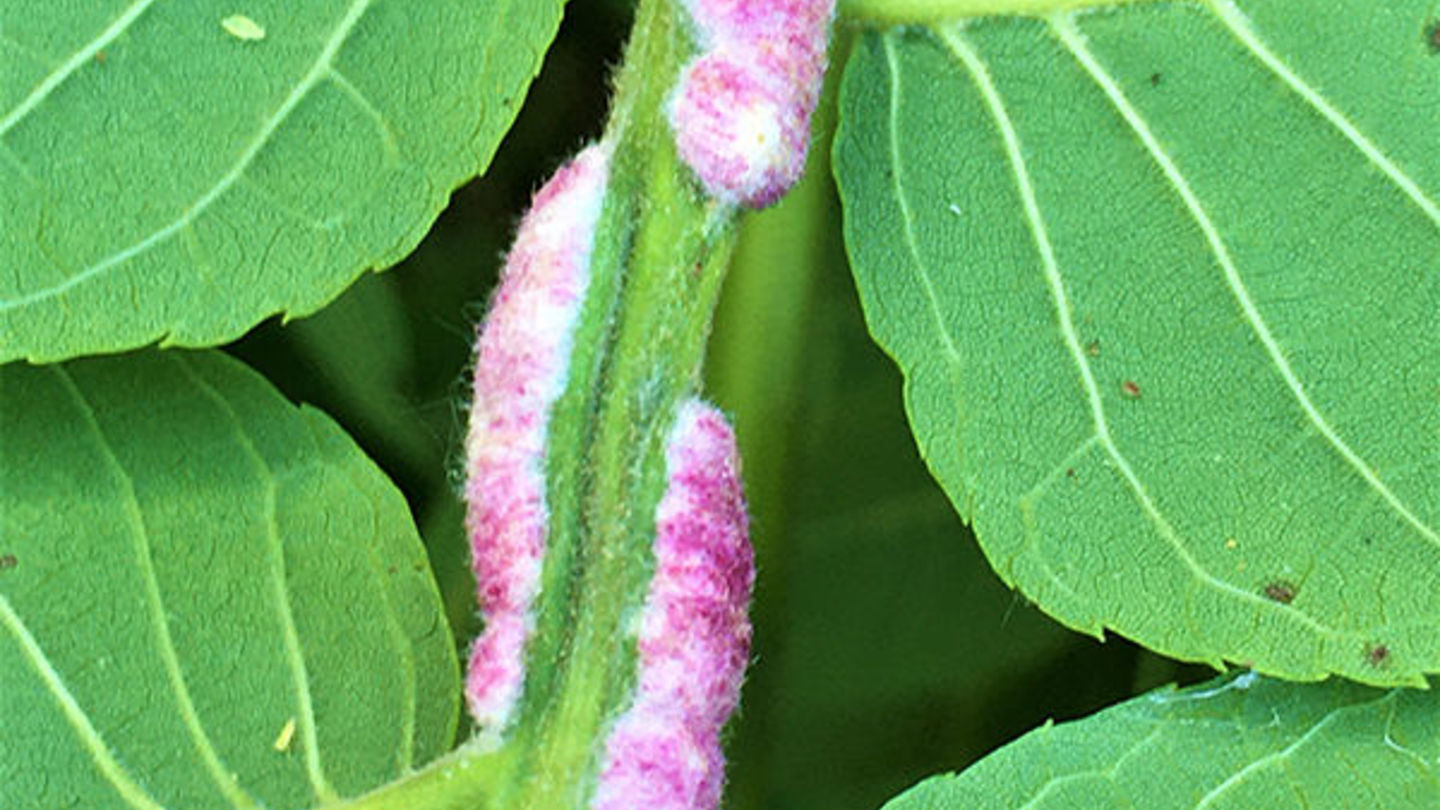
point(1093, 348)
point(8, 561)
point(1432, 36)
point(1130, 389)
point(1154, 79)
point(1280, 591)
point(1377, 655)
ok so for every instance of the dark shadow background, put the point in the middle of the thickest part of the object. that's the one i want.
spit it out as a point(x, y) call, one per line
point(886, 649)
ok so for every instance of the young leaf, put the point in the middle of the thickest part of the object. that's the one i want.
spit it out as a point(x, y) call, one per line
point(1161, 281)
point(210, 598)
point(1235, 743)
point(170, 172)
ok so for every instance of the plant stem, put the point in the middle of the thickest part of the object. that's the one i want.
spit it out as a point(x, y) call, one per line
point(659, 259)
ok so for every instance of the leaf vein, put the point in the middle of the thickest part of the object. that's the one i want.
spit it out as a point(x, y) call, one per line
point(368, 108)
point(1282, 755)
point(1234, 20)
point(951, 353)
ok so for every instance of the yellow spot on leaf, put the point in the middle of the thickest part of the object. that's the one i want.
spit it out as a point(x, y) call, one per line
point(1231, 544)
point(287, 733)
point(242, 27)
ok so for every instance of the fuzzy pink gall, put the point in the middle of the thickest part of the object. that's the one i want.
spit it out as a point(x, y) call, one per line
point(741, 110)
point(522, 357)
point(721, 21)
point(664, 752)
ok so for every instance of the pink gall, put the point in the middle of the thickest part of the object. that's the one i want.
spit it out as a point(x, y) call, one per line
point(741, 112)
point(734, 21)
point(735, 127)
point(522, 357)
point(664, 752)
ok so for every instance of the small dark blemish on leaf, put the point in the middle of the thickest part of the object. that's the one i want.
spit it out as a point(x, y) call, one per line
point(1432, 36)
point(1130, 389)
point(393, 571)
point(100, 57)
point(1154, 79)
point(1377, 655)
point(1280, 591)
point(1367, 540)
point(1093, 348)
point(8, 561)
point(1070, 472)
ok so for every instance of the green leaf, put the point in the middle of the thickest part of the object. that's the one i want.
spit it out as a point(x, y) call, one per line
point(165, 177)
point(1162, 284)
point(192, 566)
point(1233, 744)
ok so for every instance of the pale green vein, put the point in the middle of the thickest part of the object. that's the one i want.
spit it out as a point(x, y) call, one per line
point(1425, 765)
point(1065, 28)
point(981, 74)
point(305, 708)
point(223, 777)
point(1242, 30)
point(1080, 776)
point(368, 108)
point(20, 168)
point(1266, 761)
point(132, 793)
point(319, 70)
point(79, 58)
point(903, 201)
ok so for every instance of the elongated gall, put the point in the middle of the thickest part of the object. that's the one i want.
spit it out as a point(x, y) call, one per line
point(522, 357)
point(742, 108)
point(664, 752)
